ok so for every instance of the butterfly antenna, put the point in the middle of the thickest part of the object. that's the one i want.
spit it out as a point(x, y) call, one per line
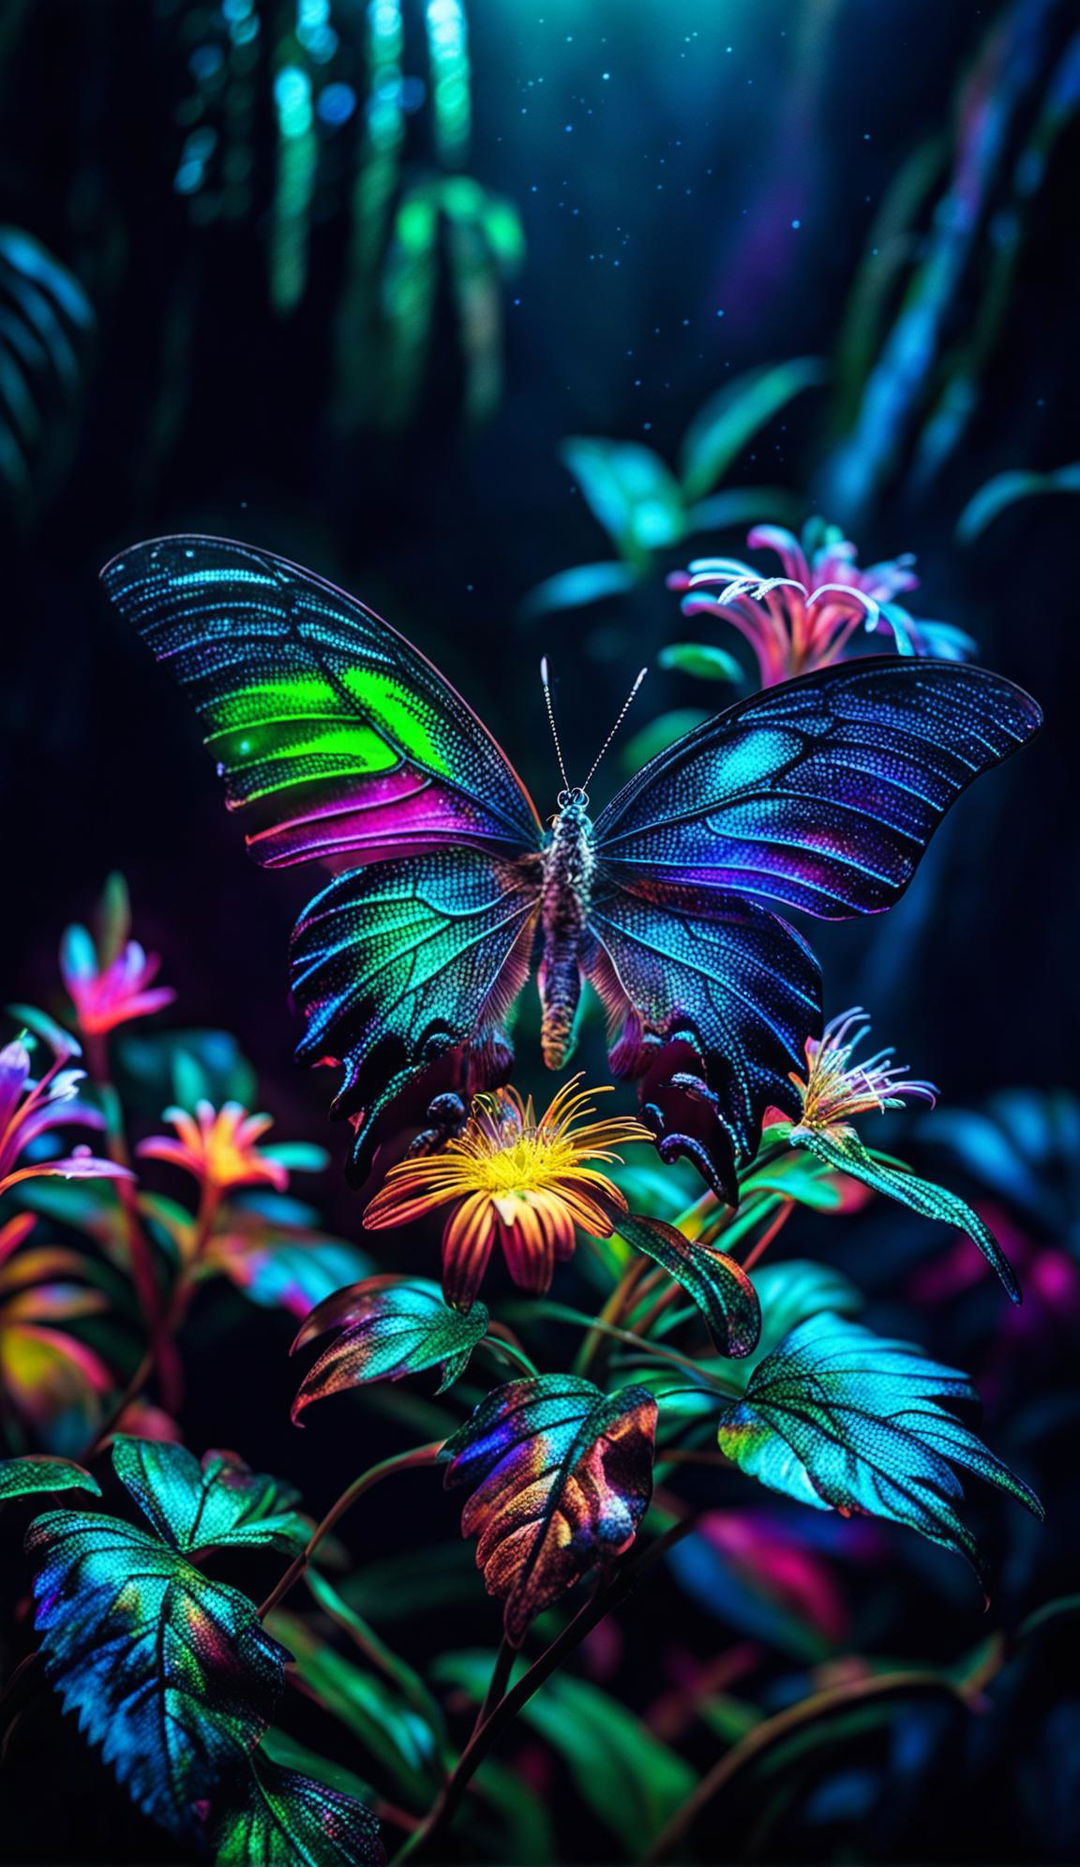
point(546, 685)
point(623, 711)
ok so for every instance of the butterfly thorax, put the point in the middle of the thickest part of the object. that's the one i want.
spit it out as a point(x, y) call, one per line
point(568, 861)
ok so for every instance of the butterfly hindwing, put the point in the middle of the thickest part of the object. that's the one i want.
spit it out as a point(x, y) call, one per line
point(337, 740)
point(405, 971)
point(820, 794)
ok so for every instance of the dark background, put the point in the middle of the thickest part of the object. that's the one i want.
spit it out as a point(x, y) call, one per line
point(660, 154)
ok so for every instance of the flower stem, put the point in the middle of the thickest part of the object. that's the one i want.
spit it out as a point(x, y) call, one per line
point(399, 1462)
point(609, 1595)
point(615, 1307)
point(560, 1312)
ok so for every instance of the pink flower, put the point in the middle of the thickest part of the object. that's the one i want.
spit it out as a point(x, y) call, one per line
point(838, 1085)
point(110, 980)
point(218, 1147)
point(805, 618)
point(31, 1109)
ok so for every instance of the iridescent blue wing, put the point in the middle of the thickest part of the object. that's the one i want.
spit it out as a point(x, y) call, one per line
point(337, 740)
point(821, 795)
point(405, 973)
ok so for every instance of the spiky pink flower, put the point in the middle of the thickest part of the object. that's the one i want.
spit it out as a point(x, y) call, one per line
point(806, 618)
point(218, 1147)
point(110, 981)
point(30, 1109)
point(838, 1086)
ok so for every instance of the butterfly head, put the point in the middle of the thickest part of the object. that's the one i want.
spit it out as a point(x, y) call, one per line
point(572, 802)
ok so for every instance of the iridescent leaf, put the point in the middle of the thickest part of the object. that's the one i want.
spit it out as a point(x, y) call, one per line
point(851, 1421)
point(280, 1815)
point(847, 1154)
point(197, 1506)
point(60, 1042)
point(791, 1292)
point(186, 1066)
point(721, 1288)
point(701, 660)
point(731, 418)
point(390, 1327)
point(170, 1674)
point(562, 1476)
point(40, 1473)
point(283, 1267)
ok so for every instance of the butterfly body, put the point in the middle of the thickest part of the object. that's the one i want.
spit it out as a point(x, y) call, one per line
point(340, 744)
point(568, 866)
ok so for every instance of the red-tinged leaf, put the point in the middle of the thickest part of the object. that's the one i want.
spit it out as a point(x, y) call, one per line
point(721, 1288)
point(561, 1477)
point(391, 1326)
point(37, 1472)
point(54, 1383)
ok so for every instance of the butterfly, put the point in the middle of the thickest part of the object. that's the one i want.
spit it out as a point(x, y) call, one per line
point(341, 745)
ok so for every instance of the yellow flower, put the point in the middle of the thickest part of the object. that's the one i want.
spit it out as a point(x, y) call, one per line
point(836, 1087)
point(514, 1179)
point(218, 1147)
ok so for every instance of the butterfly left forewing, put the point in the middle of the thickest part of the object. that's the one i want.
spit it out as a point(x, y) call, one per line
point(338, 741)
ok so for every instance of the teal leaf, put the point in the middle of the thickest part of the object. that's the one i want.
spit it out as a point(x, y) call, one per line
point(390, 1326)
point(859, 1423)
point(560, 1476)
point(60, 1042)
point(278, 1815)
point(741, 506)
point(1005, 489)
point(284, 1267)
point(731, 418)
point(171, 1675)
point(701, 660)
point(721, 1288)
point(38, 1472)
point(629, 1780)
point(185, 1067)
point(579, 586)
point(847, 1154)
point(629, 489)
point(791, 1292)
point(195, 1506)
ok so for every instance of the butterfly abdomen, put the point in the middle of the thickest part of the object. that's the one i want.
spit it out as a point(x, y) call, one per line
point(564, 907)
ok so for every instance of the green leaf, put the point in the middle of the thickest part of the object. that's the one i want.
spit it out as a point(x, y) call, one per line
point(197, 1506)
point(37, 1472)
point(171, 1675)
point(847, 1154)
point(731, 418)
point(1005, 489)
point(701, 660)
point(60, 1042)
point(721, 1288)
point(629, 1780)
point(186, 1067)
point(561, 1476)
point(851, 1421)
point(579, 586)
point(629, 489)
point(391, 1732)
point(390, 1326)
point(282, 1816)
